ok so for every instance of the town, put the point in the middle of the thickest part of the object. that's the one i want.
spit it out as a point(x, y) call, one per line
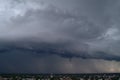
point(102, 76)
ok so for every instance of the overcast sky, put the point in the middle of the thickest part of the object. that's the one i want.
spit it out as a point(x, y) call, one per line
point(59, 36)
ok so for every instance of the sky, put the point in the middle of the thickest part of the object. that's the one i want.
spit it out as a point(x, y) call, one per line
point(59, 36)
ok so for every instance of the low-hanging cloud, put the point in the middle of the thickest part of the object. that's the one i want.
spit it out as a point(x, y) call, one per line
point(54, 64)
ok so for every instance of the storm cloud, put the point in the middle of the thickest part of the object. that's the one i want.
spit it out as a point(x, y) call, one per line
point(79, 30)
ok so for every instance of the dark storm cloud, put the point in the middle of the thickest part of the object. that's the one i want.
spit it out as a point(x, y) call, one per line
point(18, 63)
point(59, 50)
point(87, 29)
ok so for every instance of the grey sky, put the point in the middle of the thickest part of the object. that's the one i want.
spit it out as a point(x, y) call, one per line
point(79, 29)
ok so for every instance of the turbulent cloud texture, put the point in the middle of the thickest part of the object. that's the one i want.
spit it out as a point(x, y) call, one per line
point(72, 33)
